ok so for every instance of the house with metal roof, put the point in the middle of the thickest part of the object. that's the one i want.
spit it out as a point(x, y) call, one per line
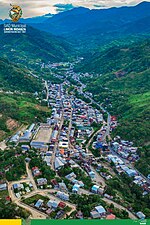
point(39, 203)
point(3, 187)
point(100, 209)
point(52, 204)
point(95, 188)
point(76, 188)
point(62, 195)
point(95, 215)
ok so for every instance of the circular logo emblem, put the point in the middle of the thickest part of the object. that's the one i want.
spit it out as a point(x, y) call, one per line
point(15, 13)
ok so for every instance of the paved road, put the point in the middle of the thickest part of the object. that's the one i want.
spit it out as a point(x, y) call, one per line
point(47, 90)
point(30, 176)
point(57, 141)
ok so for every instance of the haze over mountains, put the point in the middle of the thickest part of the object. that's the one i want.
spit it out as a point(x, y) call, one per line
point(96, 27)
point(88, 29)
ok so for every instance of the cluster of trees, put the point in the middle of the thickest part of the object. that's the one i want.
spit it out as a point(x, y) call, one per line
point(47, 172)
point(130, 193)
point(11, 211)
point(143, 165)
point(83, 177)
point(86, 204)
point(13, 77)
point(13, 163)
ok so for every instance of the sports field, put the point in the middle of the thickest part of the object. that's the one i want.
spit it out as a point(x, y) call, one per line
point(43, 135)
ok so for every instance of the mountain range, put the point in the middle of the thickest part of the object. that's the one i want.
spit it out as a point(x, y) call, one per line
point(90, 28)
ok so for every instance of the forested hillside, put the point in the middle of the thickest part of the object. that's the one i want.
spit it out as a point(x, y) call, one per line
point(18, 109)
point(33, 46)
point(121, 82)
point(15, 77)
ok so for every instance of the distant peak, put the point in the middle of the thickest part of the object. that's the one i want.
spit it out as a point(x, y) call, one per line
point(143, 3)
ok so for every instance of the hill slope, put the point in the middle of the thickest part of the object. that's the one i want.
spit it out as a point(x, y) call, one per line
point(14, 77)
point(123, 87)
point(33, 46)
point(134, 57)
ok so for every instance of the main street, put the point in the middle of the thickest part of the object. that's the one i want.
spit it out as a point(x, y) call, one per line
point(57, 142)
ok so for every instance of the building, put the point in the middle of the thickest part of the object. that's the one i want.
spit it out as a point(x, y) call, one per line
point(100, 191)
point(131, 173)
point(26, 137)
point(100, 209)
point(39, 145)
point(76, 188)
point(58, 163)
point(62, 186)
point(52, 204)
point(62, 196)
point(39, 203)
point(25, 147)
point(140, 215)
point(62, 205)
point(95, 189)
point(15, 138)
point(70, 176)
point(41, 181)
point(111, 217)
point(18, 186)
point(79, 215)
point(36, 172)
point(92, 174)
point(54, 135)
point(3, 187)
point(95, 215)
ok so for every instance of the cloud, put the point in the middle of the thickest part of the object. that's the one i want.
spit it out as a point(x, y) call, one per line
point(40, 7)
point(63, 7)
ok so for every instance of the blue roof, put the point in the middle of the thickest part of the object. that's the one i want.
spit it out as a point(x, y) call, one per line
point(100, 209)
point(15, 186)
point(38, 203)
point(95, 187)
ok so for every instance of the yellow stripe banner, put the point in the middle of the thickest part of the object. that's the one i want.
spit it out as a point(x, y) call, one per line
point(10, 222)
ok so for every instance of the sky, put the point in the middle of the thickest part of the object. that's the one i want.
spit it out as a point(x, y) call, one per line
point(33, 8)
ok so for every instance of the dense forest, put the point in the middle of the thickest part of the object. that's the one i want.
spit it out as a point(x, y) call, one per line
point(33, 46)
point(14, 77)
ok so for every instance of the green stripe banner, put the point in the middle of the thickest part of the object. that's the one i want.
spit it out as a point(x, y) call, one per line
point(90, 222)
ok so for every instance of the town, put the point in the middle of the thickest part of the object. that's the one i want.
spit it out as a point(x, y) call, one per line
point(72, 155)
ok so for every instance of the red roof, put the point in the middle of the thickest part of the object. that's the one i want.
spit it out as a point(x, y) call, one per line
point(110, 210)
point(54, 182)
point(113, 118)
point(62, 205)
point(8, 198)
point(35, 168)
point(110, 217)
